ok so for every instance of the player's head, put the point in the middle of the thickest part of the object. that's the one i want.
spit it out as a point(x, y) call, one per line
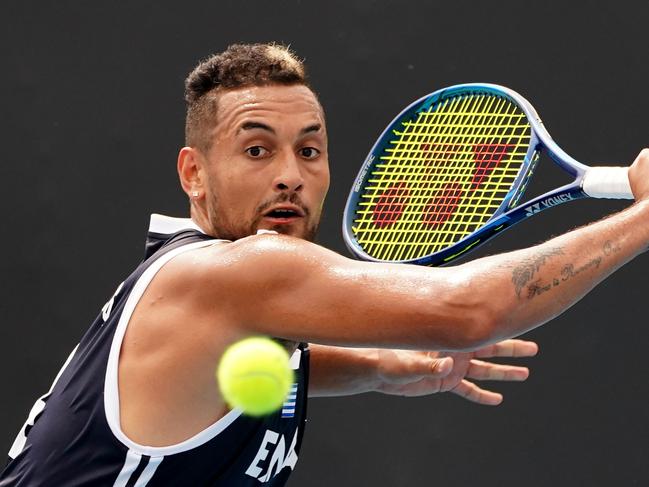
point(256, 144)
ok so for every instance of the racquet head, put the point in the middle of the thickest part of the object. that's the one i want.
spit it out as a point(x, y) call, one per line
point(440, 173)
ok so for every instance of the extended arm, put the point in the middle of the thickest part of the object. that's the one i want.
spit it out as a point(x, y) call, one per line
point(317, 296)
point(285, 287)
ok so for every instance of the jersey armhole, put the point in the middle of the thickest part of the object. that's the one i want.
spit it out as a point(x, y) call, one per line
point(111, 382)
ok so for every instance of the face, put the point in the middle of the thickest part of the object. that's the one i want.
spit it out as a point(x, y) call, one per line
point(267, 167)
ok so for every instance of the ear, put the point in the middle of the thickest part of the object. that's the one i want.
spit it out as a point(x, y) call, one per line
point(190, 172)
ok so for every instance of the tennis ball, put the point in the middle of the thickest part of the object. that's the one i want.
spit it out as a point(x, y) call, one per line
point(254, 375)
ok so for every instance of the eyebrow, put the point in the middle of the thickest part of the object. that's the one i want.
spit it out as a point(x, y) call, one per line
point(255, 125)
point(259, 125)
point(311, 128)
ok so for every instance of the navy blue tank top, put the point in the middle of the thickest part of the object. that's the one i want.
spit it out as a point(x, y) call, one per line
point(72, 436)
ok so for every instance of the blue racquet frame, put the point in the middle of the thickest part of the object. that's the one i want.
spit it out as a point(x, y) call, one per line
point(507, 213)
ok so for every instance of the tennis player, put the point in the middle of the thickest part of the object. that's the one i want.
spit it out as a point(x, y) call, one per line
point(136, 403)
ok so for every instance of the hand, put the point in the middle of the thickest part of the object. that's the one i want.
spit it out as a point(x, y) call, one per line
point(408, 373)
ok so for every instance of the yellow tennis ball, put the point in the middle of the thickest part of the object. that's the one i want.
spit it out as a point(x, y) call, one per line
point(254, 375)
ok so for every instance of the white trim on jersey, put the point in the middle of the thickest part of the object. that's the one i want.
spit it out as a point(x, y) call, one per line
point(111, 385)
point(169, 225)
point(37, 408)
point(131, 463)
point(294, 362)
point(148, 471)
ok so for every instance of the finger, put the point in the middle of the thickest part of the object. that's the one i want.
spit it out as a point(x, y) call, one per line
point(471, 392)
point(480, 370)
point(420, 367)
point(440, 367)
point(509, 348)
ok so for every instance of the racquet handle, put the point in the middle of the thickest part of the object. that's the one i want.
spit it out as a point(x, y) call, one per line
point(607, 182)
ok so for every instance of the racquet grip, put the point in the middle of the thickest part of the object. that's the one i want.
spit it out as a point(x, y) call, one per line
point(607, 182)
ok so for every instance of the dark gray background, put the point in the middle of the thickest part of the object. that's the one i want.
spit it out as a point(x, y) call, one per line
point(92, 121)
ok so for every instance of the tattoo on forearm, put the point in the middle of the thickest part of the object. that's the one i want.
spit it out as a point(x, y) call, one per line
point(611, 248)
point(569, 270)
point(523, 274)
point(536, 289)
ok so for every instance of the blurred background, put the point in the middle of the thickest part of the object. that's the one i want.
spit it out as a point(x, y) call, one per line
point(92, 97)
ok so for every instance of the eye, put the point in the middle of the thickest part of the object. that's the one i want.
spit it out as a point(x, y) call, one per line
point(309, 152)
point(257, 151)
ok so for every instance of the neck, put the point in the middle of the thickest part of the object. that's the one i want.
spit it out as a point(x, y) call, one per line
point(199, 216)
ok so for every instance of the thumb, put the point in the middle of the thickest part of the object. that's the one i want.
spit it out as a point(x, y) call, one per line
point(441, 367)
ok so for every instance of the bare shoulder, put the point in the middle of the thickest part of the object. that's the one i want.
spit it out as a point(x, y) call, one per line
point(246, 258)
point(292, 289)
point(237, 271)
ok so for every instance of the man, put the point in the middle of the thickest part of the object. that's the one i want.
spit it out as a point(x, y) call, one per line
point(136, 402)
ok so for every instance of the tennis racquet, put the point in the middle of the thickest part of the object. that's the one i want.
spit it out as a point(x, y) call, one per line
point(448, 174)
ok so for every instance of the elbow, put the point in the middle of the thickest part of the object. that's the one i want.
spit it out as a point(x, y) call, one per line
point(472, 330)
point(478, 316)
point(481, 327)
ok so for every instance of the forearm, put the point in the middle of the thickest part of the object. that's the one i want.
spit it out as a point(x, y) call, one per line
point(336, 301)
point(531, 286)
point(339, 371)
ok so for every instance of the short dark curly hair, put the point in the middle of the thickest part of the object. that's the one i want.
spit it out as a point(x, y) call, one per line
point(238, 66)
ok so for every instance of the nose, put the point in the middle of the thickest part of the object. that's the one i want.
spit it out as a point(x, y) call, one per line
point(289, 175)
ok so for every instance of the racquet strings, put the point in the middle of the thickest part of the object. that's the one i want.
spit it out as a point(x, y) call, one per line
point(441, 176)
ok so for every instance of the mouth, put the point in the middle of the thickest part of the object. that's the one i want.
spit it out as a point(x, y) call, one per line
point(283, 214)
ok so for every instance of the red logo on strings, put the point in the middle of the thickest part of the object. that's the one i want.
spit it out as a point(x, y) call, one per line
point(444, 204)
point(390, 205)
point(486, 158)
